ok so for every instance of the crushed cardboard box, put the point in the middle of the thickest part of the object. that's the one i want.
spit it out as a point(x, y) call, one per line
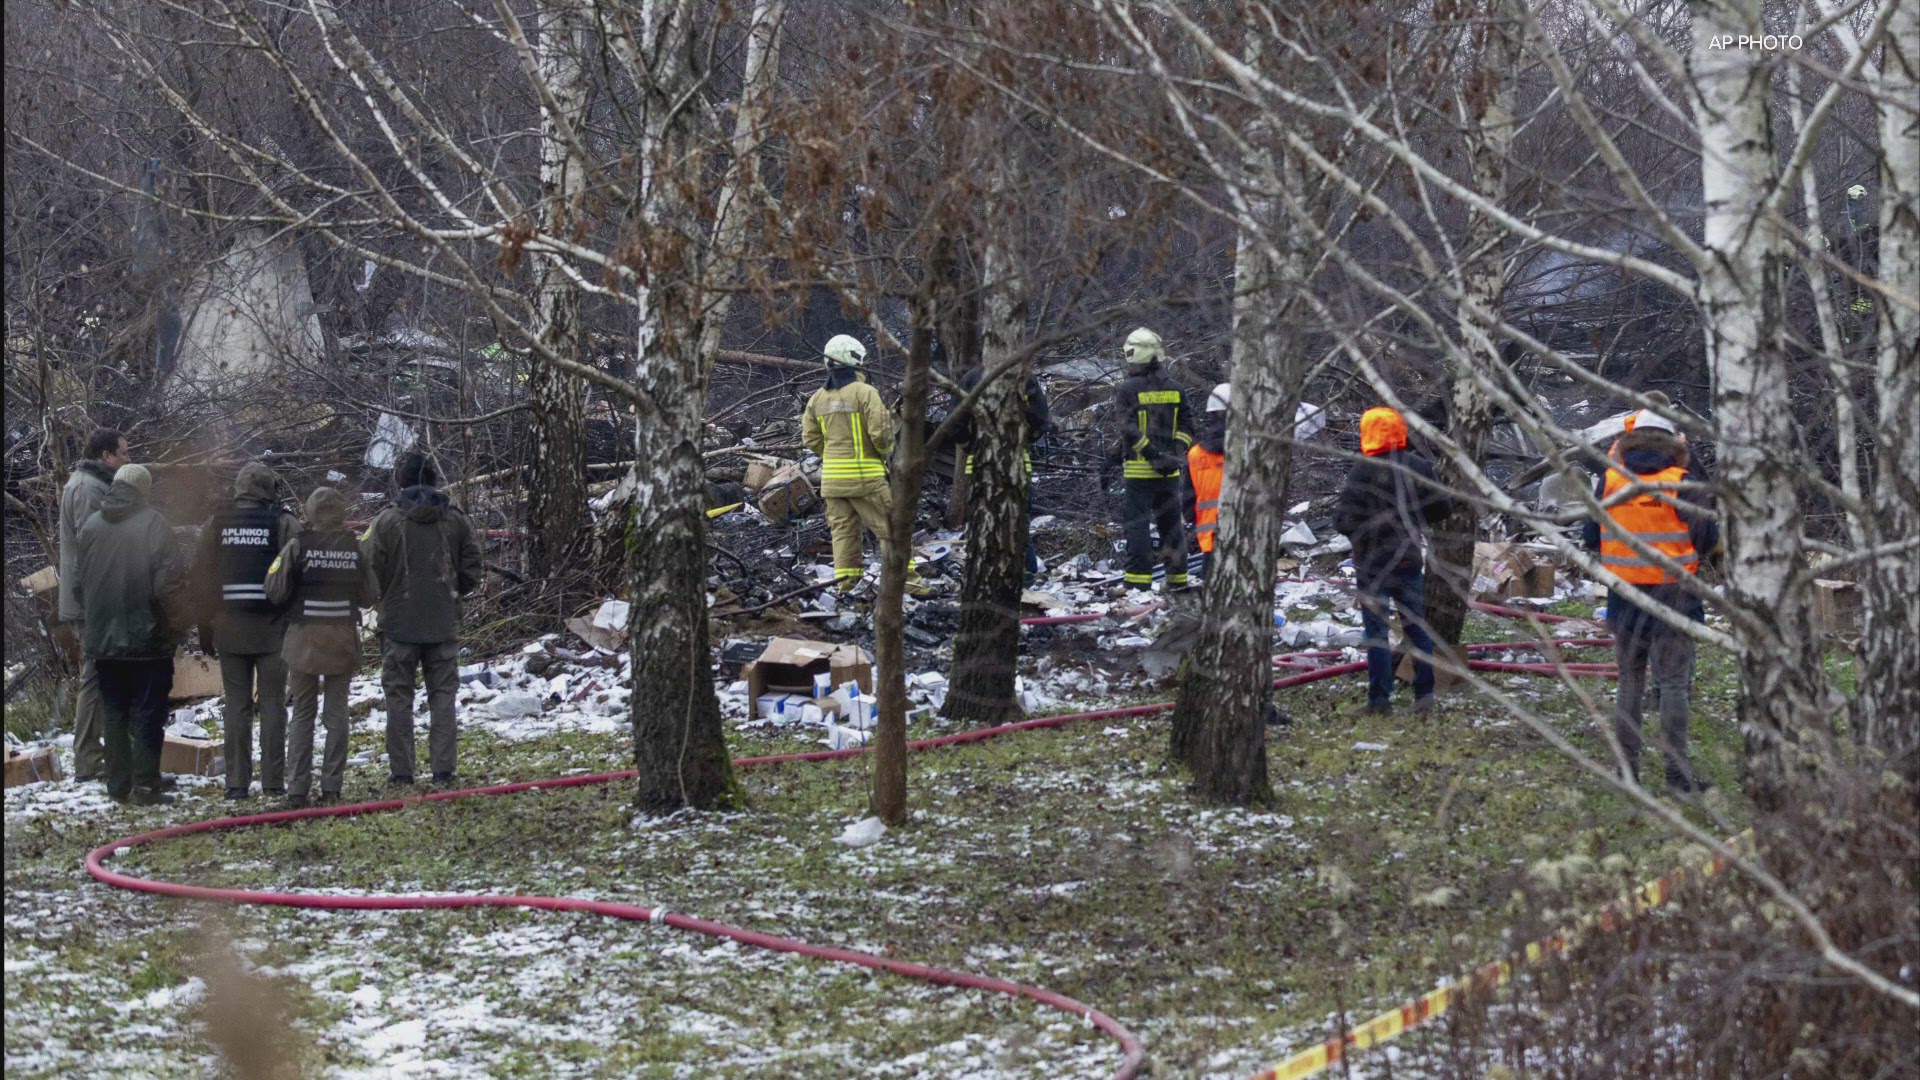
point(788, 665)
point(190, 757)
point(196, 676)
point(1506, 569)
point(32, 766)
point(786, 495)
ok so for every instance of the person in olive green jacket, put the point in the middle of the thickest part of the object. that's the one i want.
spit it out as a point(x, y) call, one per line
point(86, 487)
point(423, 556)
point(322, 581)
point(127, 585)
point(230, 573)
point(847, 424)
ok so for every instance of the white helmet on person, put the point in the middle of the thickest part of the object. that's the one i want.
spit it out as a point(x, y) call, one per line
point(845, 350)
point(1143, 347)
point(1219, 398)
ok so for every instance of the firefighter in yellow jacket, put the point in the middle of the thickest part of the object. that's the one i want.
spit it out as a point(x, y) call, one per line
point(848, 426)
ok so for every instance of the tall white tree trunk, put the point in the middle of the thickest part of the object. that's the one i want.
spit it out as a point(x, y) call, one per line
point(679, 748)
point(557, 479)
point(1784, 694)
point(1890, 654)
point(1219, 722)
point(1486, 115)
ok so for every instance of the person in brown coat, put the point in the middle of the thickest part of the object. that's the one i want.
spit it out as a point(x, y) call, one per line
point(322, 582)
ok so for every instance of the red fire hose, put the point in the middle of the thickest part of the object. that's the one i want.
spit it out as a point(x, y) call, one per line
point(1132, 1052)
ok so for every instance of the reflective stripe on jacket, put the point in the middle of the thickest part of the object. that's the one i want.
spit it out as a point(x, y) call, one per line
point(1652, 518)
point(852, 432)
point(1206, 468)
point(1025, 455)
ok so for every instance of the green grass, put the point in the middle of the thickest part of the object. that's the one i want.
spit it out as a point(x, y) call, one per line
point(1072, 858)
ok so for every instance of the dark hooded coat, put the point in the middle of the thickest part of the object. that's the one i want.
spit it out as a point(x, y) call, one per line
point(423, 556)
point(127, 583)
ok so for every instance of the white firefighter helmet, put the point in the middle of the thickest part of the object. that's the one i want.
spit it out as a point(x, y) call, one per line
point(1648, 420)
point(1143, 347)
point(1217, 400)
point(845, 350)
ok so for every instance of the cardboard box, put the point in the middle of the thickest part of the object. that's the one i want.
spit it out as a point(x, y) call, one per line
point(32, 766)
point(759, 471)
point(196, 676)
point(1504, 569)
point(1443, 680)
point(788, 665)
point(786, 495)
point(1836, 607)
point(190, 757)
point(45, 579)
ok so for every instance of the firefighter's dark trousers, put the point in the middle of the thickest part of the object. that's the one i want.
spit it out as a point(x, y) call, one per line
point(1155, 505)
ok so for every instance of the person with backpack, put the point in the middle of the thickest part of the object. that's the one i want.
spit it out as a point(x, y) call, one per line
point(1149, 422)
point(422, 556)
point(230, 568)
point(1389, 499)
point(322, 580)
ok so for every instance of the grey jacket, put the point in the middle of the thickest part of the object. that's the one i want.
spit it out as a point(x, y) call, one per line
point(127, 581)
point(86, 488)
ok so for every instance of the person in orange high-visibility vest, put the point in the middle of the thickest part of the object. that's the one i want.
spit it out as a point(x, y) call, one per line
point(1653, 538)
point(1206, 465)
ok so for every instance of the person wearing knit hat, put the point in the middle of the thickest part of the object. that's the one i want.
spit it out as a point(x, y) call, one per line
point(127, 585)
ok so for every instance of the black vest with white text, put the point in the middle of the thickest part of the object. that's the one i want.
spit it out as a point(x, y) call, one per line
point(248, 545)
point(328, 570)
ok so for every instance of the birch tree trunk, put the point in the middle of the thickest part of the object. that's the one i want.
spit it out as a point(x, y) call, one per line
point(986, 651)
point(557, 476)
point(679, 747)
point(1219, 720)
point(1784, 696)
point(1486, 114)
point(1890, 650)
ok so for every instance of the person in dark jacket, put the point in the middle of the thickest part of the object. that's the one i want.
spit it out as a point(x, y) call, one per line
point(85, 489)
point(422, 556)
point(1151, 438)
point(1384, 508)
point(1677, 523)
point(126, 584)
point(1039, 420)
point(322, 580)
point(230, 572)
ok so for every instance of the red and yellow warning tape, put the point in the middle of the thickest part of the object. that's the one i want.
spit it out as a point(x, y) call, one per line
point(1488, 977)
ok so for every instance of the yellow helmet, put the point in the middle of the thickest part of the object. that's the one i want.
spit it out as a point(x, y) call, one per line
point(1143, 347)
point(845, 350)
